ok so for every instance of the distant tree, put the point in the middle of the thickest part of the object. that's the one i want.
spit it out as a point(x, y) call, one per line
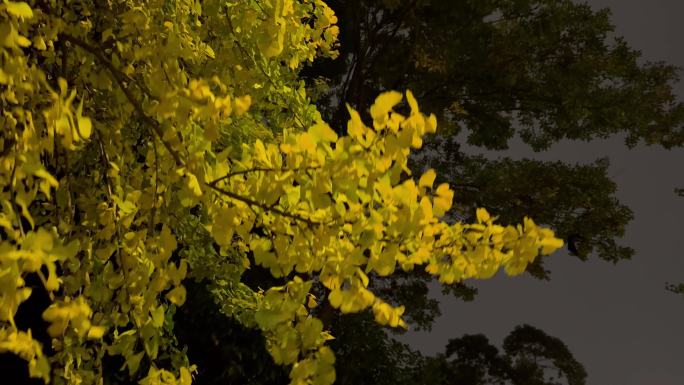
point(529, 357)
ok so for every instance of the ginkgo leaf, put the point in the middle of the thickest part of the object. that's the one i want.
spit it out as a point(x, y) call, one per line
point(482, 215)
point(185, 377)
point(431, 124)
point(84, 126)
point(442, 200)
point(427, 179)
point(167, 243)
point(355, 126)
point(157, 316)
point(387, 315)
point(426, 210)
point(322, 132)
point(335, 298)
point(39, 43)
point(242, 104)
point(133, 362)
point(96, 332)
point(223, 227)
point(549, 245)
point(310, 330)
point(22, 41)
point(311, 301)
point(413, 104)
point(384, 104)
point(177, 295)
point(19, 9)
point(193, 184)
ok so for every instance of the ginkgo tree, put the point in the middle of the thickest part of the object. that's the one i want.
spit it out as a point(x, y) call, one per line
point(143, 142)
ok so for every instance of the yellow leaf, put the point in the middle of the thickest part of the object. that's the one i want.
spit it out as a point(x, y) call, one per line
point(335, 298)
point(222, 229)
point(355, 126)
point(158, 316)
point(39, 43)
point(133, 362)
point(96, 332)
point(412, 102)
point(193, 184)
point(388, 315)
point(84, 126)
point(209, 51)
point(482, 215)
point(306, 142)
point(19, 9)
point(177, 295)
point(431, 124)
point(22, 41)
point(260, 153)
point(7, 34)
point(427, 209)
point(310, 331)
point(185, 377)
point(442, 201)
point(211, 132)
point(40, 368)
point(321, 132)
point(385, 263)
point(167, 243)
point(293, 195)
point(311, 301)
point(383, 105)
point(52, 283)
point(263, 255)
point(242, 104)
point(549, 245)
point(427, 179)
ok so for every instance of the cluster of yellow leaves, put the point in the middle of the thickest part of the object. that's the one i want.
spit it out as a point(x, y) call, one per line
point(108, 111)
point(118, 116)
point(341, 209)
point(28, 246)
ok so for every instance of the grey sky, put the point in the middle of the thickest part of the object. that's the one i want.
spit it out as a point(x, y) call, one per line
point(618, 320)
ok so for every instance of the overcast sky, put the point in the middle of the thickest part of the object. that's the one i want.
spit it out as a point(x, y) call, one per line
point(618, 320)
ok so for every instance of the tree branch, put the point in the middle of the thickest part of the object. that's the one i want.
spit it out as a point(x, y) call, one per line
point(262, 206)
point(257, 169)
point(119, 78)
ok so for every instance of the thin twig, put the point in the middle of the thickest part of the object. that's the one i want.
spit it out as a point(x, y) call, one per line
point(15, 206)
point(153, 211)
point(262, 206)
point(258, 169)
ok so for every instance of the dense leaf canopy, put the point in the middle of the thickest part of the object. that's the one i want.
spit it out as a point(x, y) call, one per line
point(144, 143)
